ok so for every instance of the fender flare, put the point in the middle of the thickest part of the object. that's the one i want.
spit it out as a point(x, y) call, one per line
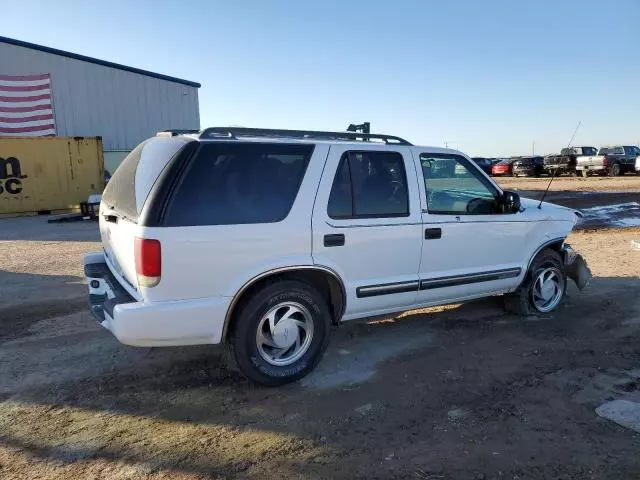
point(276, 271)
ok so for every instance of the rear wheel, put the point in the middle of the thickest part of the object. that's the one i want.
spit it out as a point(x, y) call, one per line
point(614, 170)
point(281, 333)
point(543, 288)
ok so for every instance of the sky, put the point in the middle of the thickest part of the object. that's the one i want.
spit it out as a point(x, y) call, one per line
point(491, 78)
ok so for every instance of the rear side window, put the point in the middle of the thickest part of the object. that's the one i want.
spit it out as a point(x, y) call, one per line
point(369, 185)
point(239, 183)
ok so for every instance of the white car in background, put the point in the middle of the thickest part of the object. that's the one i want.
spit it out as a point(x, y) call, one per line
point(264, 239)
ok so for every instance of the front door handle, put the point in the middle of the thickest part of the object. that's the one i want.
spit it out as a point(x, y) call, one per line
point(432, 233)
point(334, 240)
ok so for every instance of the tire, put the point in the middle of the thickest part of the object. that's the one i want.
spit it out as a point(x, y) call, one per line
point(523, 302)
point(285, 301)
point(615, 170)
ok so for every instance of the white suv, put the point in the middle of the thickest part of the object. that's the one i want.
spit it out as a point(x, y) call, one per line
point(263, 239)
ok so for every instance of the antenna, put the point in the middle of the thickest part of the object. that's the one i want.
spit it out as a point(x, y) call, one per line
point(553, 175)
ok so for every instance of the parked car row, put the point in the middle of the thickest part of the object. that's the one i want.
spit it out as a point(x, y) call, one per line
point(527, 166)
point(583, 160)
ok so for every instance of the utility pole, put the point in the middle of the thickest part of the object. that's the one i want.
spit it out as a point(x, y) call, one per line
point(533, 149)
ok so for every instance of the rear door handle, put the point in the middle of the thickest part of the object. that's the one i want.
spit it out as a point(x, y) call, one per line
point(432, 233)
point(334, 240)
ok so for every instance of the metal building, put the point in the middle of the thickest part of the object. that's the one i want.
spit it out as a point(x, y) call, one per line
point(91, 97)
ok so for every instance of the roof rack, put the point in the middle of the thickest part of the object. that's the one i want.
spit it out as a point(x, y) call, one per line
point(235, 132)
point(173, 133)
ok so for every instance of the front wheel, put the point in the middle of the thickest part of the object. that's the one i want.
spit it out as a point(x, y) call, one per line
point(281, 333)
point(543, 288)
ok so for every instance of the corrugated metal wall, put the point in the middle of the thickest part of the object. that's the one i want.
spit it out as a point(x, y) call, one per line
point(89, 100)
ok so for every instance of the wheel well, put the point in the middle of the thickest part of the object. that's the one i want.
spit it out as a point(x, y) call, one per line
point(327, 285)
point(555, 245)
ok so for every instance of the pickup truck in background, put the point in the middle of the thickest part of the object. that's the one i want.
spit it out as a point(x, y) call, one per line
point(567, 161)
point(612, 161)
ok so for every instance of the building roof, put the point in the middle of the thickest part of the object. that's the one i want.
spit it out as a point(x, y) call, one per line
point(75, 56)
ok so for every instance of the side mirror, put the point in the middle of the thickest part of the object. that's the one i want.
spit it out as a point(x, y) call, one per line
point(510, 202)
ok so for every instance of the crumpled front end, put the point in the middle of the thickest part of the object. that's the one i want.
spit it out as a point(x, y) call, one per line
point(576, 268)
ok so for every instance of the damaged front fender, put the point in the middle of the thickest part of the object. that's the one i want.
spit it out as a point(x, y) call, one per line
point(576, 268)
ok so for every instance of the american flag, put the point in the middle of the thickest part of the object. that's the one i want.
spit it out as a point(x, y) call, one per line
point(25, 106)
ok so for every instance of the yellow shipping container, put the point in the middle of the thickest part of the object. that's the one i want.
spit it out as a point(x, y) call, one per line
point(49, 173)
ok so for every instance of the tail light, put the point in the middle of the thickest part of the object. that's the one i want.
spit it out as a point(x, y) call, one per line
point(605, 161)
point(148, 261)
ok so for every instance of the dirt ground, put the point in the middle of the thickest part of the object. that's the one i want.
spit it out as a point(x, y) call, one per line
point(564, 182)
point(457, 392)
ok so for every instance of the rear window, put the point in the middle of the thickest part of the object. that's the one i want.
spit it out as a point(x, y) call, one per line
point(119, 194)
point(132, 181)
point(586, 151)
point(239, 183)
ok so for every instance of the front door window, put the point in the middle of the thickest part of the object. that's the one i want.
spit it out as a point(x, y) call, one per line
point(454, 187)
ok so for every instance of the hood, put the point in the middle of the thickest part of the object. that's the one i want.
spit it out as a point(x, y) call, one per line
point(550, 211)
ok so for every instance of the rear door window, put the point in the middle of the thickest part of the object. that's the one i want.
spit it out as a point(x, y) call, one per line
point(369, 184)
point(239, 183)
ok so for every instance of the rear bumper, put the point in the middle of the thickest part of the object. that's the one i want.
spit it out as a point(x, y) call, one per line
point(133, 322)
point(591, 168)
point(529, 172)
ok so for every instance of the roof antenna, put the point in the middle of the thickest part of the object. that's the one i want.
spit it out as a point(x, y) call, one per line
point(553, 175)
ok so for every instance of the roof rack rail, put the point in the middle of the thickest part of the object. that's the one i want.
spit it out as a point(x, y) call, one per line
point(235, 132)
point(173, 133)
